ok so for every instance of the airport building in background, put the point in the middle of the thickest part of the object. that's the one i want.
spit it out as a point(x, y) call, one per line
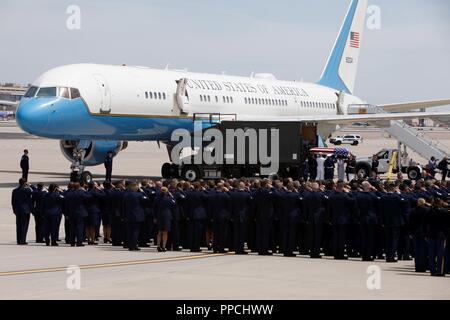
point(10, 95)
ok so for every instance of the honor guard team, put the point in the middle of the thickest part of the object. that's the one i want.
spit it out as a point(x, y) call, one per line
point(368, 219)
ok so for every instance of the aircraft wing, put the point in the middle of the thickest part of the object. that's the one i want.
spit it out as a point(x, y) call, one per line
point(407, 106)
point(371, 118)
point(9, 103)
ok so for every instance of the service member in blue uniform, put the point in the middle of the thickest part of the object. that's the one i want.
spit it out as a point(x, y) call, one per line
point(263, 198)
point(163, 208)
point(291, 203)
point(25, 164)
point(436, 223)
point(117, 220)
point(76, 210)
point(147, 230)
point(108, 163)
point(221, 214)
point(417, 228)
point(340, 206)
point(314, 208)
point(177, 215)
point(106, 211)
point(22, 205)
point(134, 201)
point(367, 213)
point(94, 204)
point(196, 216)
point(52, 209)
point(393, 212)
point(38, 195)
point(240, 200)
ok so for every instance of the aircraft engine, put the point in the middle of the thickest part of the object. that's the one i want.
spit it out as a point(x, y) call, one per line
point(94, 151)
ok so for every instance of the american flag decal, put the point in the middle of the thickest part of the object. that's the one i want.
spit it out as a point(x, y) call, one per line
point(354, 39)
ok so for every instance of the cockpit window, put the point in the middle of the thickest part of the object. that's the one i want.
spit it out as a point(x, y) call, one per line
point(47, 92)
point(74, 93)
point(31, 92)
point(63, 92)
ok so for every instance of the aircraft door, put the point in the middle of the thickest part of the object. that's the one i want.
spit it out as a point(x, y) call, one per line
point(104, 105)
point(182, 97)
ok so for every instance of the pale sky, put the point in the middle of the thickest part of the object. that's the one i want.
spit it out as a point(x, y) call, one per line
point(408, 59)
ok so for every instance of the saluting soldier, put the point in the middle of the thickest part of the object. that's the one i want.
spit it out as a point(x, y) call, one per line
point(290, 218)
point(417, 229)
point(263, 199)
point(133, 209)
point(117, 220)
point(94, 211)
point(196, 216)
point(240, 200)
point(314, 207)
point(52, 208)
point(37, 197)
point(163, 208)
point(75, 208)
point(340, 207)
point(367, 213)
point(221, 215)
point(393, 211)
point(436, 221)
point(21, 201)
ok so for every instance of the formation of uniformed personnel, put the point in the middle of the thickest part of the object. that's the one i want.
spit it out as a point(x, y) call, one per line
point(25, 164)
point(370, 219)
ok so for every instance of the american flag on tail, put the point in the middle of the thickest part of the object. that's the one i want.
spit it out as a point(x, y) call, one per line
point(354, 39)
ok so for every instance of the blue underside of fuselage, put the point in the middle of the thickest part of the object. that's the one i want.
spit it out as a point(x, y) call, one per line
point(59, 118)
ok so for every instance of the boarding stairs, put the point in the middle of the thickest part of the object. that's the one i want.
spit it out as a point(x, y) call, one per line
point(411, 137)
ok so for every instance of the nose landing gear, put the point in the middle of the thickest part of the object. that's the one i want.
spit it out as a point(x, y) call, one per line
point(78, 174)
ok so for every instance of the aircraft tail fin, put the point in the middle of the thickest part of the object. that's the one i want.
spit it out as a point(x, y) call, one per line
point(342, 64)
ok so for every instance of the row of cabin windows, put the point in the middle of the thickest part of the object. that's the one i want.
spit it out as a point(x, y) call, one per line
point(207, 98)
point(322, 105)
point(267, 102)
point(155, 95)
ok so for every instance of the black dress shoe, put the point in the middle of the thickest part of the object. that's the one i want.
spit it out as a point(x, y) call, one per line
point(196, 250)
point(55, 244)
point(22, 243)
point(318, 256)
point(47, 244)
point(241, 252)
point(391, 260)
point(80, 245)
point(164, 249)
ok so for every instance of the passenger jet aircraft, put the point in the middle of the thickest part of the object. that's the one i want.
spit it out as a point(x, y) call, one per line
point(93, 108)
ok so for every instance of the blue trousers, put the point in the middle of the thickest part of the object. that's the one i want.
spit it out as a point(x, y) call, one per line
point(436, 248)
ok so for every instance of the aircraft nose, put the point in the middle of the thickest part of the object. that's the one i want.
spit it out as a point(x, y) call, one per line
point(32, 115)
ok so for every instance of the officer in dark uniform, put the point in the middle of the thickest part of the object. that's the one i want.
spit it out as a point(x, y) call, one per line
point(367, 214)
point(340, 208)
point(196, 216)
point(417, 228)
point(52, 208)
point(278, 191)
point(436, 221)
point(25, 164)
point(221, 214)
point(67, 236)
point(240, 200)
point(177, 215)
point(75, 208)
point(147, 230)
point(133, 208)
point(163, 208)
point(117, 221)
point(94, 203)
point(291, 203)
point(106, 211)
point(393, 211)
point(312, 166)
point(108, 165)
point(37, 197)
point(404, 246)
point(314, 207)
point(263, 199)
point(21, 201)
